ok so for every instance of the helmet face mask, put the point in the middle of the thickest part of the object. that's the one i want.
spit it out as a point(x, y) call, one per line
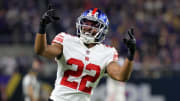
point(92, 27)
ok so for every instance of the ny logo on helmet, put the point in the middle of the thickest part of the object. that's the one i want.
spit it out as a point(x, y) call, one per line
point(94, 15)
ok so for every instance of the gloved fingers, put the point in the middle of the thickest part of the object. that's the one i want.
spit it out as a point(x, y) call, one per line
point(49, 6)
point(131, 33)
point(51, 12)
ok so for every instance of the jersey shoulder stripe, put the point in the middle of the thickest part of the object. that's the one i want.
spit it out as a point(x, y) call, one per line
point(59, 38)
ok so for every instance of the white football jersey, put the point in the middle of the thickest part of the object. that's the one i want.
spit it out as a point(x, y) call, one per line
point(79, 68)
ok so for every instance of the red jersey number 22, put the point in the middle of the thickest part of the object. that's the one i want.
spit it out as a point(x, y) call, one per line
point(80, 65)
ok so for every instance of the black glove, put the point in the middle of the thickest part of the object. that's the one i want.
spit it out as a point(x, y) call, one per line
point(130, 42)
point(48, 17)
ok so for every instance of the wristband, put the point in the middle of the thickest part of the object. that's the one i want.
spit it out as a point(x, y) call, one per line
point(42, 29)
point(130, 55)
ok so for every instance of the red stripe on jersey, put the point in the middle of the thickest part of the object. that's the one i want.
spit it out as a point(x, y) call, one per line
point(94, 11)
point(108, 46)
point(60, 36)
point(58, 39)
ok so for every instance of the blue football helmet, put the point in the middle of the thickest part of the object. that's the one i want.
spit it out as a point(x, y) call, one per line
point(102, 23)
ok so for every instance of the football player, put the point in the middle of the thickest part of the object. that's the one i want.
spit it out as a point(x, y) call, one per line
point(82, 60)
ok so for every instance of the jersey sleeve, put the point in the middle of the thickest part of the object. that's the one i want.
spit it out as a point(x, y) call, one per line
point(112, 57)
point(60, 38)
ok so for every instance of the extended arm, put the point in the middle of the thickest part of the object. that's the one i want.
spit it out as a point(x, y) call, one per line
point(49, 51)
point(40, 46)
point(122, 73)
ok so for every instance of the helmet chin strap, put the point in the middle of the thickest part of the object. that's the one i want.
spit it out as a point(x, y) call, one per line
point(87, 39)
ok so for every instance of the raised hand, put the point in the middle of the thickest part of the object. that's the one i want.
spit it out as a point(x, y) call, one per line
point(130, 42)
point(48, 17)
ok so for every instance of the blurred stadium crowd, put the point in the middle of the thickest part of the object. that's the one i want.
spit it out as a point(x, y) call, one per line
point(156, 24)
